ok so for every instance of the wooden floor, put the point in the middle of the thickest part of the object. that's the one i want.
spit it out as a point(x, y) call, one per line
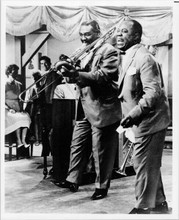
point(26, 195)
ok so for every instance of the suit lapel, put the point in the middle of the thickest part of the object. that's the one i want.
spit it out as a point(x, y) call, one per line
point(128, 63)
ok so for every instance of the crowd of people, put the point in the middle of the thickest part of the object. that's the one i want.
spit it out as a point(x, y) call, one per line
point(118, 85)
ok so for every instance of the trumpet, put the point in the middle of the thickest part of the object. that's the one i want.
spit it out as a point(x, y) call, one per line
point(73, 60)
point(122, 169)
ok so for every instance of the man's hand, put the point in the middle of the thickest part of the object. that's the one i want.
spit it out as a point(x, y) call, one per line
point(66, 69)
point(69, 71)
point(127, 122)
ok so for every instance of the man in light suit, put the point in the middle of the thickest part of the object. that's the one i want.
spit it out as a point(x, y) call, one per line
point(145, 109)
point(98, 113)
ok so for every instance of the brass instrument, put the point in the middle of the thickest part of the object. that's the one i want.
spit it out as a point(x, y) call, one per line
point(35, 83)
point(122, 169)
point(72, 60)
point(93, 46)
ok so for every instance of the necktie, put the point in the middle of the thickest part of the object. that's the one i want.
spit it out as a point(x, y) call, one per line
point(122, 53)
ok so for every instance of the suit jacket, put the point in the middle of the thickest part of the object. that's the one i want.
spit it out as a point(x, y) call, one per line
point(49, 90)
point(142, 92)
point(98, 89)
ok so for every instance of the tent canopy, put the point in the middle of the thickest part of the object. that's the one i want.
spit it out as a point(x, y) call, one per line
point(63, 23)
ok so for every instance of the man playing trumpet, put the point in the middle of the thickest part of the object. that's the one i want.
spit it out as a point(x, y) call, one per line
point(98, 112)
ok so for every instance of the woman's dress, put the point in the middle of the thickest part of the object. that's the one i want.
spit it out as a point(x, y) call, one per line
point(19, 119)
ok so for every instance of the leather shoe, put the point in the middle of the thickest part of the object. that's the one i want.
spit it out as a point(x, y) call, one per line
point(65, 184)
point(161, 208)
point(51, 171)
point(53, 180)
point(139, 211)
point(99, 194)
point(21, 151)
point(74, 187)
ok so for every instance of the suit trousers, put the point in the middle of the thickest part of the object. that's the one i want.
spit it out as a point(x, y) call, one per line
point(46, 120)
point(147, 159)
point(104, 148)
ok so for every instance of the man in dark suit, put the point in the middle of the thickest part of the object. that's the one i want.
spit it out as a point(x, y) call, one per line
point(145, 109)
point(98, 113)
point(50, 80)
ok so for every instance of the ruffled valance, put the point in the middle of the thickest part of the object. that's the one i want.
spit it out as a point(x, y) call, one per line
point(63, 23)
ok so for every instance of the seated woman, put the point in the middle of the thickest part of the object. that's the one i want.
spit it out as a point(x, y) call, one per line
point(15, 118)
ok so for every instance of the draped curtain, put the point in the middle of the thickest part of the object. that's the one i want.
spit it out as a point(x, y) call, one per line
point(63, 23)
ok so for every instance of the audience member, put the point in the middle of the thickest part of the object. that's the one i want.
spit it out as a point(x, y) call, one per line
point(50, 80)
point(32, 106)
point(15, 118)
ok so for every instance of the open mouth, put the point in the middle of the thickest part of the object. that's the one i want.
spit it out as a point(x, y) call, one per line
point(120, 40)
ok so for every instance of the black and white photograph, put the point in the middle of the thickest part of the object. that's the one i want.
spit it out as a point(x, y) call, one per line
point(89, 109)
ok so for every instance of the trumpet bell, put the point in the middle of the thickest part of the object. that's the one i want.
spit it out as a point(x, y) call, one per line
point(122, 169)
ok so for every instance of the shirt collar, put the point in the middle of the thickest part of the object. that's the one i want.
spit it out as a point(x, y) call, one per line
point(130, 49)
point(128, 52)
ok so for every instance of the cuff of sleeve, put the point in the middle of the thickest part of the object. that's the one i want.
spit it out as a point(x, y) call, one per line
point(82, 79)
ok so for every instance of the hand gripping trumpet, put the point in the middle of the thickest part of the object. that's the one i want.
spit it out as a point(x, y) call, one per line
point(122, 169)
point(128, 145)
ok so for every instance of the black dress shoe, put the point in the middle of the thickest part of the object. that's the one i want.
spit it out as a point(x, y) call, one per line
point(51, 172)
point(65, 184)
point(26, 152)
point(139, 211)
point(21, 151)
point(99, 194)
point(74, 187)
point(53, 180)
point(161, 209)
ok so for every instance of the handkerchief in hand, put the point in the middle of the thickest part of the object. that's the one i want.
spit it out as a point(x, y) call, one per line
point(128, 133)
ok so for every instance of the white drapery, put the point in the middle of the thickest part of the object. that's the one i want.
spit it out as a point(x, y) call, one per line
point(63, 22)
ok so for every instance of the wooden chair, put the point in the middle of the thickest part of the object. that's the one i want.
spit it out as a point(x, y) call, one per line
point(10, 143)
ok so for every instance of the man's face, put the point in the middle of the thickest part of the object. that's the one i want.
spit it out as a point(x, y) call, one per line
point(87, 35)
point(44, 65)
point(36, 77)
point(125, 36)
